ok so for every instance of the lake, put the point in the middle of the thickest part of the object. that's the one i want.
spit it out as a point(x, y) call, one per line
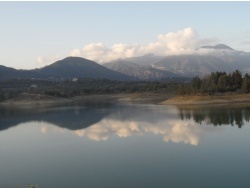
point(122, 145)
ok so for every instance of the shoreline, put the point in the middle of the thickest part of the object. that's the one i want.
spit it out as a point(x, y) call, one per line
point(198, 100)
point(31, 100)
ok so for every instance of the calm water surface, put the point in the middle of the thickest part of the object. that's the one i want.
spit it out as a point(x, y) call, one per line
point(108, 145)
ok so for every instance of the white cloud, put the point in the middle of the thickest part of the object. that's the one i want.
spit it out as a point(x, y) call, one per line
point(181, 42)
point(43, 61)
point(76, 52)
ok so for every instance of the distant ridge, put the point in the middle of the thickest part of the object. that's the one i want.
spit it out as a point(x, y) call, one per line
point(218, 58)
point(142, 72)
point(77, 67)
point(70, 67)
point(218, 47)
point(147, 67)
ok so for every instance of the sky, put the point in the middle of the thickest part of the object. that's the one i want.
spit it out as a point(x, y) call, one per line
point(36, 34)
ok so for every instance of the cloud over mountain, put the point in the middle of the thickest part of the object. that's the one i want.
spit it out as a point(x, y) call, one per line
point(42, 61)
point(181, 42)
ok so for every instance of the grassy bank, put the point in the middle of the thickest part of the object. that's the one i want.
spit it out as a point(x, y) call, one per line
point(228, 99)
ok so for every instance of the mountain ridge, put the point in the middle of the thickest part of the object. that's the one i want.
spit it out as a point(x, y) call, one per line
point(67, 68)
point(142, 72)
point(148, 67)
point(200, 63)
point(218, 47)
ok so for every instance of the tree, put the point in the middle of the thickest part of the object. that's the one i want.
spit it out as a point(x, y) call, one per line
point(237, 79)
point(246, 84)
point(196, 83)
point(223, 82)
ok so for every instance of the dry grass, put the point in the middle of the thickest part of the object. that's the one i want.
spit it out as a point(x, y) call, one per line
point(208, 100)
point(153, 98)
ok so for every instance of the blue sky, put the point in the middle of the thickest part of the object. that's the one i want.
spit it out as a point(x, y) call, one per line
point(34, 34)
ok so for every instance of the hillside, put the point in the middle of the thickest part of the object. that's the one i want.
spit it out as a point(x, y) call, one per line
point(139, 71)
point(202, 61)
point(193, 65)
point(77, 67)
point(11, 73)
point(147, 59)
point(70, 67)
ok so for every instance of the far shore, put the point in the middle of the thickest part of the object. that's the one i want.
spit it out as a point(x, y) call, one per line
point(32, 100)
point(194, 100)
point(35, 100)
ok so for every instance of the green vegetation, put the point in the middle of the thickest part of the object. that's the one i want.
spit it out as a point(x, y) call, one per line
point(217, 82)
point(10, 89)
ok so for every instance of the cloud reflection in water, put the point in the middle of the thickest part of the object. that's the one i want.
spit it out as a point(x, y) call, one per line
point(173, 130)
point(103, 122)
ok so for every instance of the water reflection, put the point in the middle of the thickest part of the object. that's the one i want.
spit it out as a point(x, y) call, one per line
point(108, 145)
point(216, 116)
point(70, 117)
point(100, 122)
point(173, 130)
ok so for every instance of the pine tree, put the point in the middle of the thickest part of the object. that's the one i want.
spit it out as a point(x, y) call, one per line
point(246, 84)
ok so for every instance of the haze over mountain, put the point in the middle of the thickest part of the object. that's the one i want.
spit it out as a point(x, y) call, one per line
point(215, 58)
point(147, 59)
point(143, 72)
point(204, 60)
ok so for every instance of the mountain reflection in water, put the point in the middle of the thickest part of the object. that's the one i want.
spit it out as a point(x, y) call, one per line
point(102, 121)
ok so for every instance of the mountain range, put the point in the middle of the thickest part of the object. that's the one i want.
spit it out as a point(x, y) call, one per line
point(68, 68)
point(203, 61)
point(139, 71)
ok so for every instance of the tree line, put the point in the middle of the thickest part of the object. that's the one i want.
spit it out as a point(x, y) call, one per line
point(13, 88)
point(217, 82)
